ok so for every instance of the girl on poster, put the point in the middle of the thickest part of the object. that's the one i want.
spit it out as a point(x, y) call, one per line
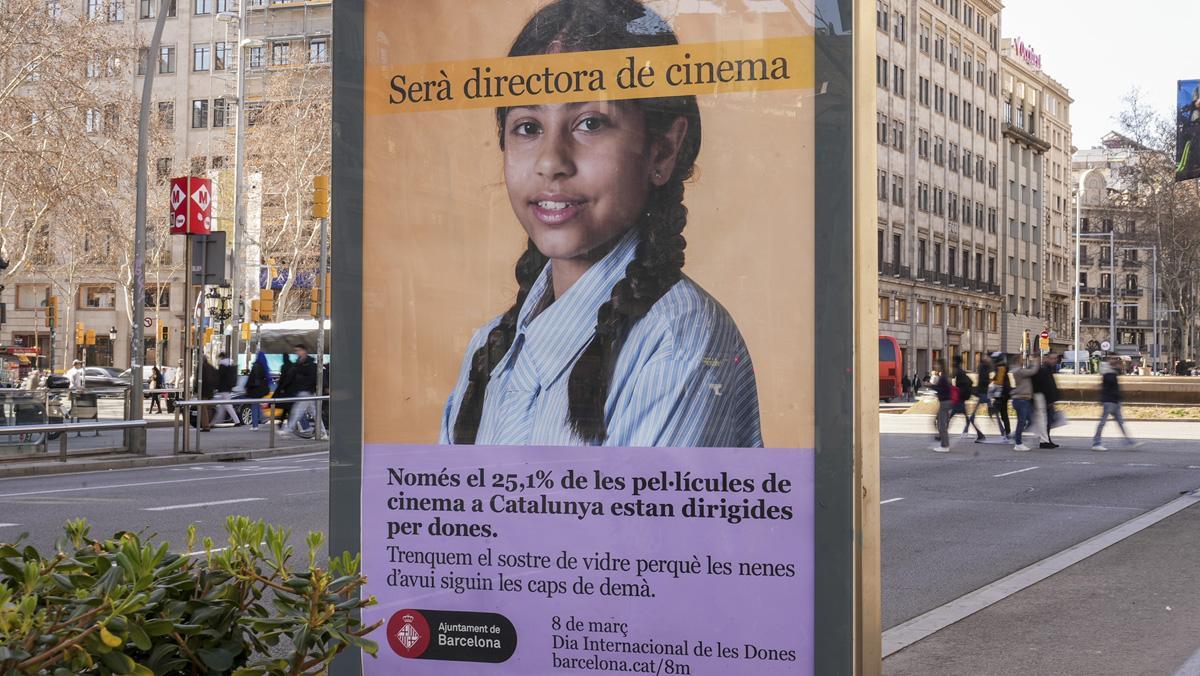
point(608, 342)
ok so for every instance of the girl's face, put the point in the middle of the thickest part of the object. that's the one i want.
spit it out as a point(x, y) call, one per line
point(578, 174)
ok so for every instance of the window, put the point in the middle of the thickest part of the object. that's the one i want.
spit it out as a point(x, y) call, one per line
point(219, 107)
point(923, 144)
point(96, 296)
point(952, 320)
point(922, 312)
point(54, 9)
point(92, 8)
point(31, 296)
point(953, 157)
point(279, 54)
point(116, 11)
point(966, 163)
point(221, 55)
point(91, 120)
point(939, 150)
point(225, 6)
point(896, 250)
point(162, 168)
point(939, 99)
point(952, 262)
point(220, 162)
point(966, 211)
point(881, 72)
point(158, 296)
point(199, 113)
point(901, 310)
point(923, 90)
point(881, 15)
point(142, 60)
point(198, 165)
point(901, 30)
point(921, 251)
point(112, 117)
point(938, 314)
point(992, 173)
point(898, 135)
point(991, 221)
point(318, 51)
point(923, 38)
point(898, 190)
point(166, 60)
point(991, 269)
point(885, 309)
point(201, 57)
point(923, 196)
point(881, 128)
point(202, 7)
point(979, 120)
point(939, 201)
point(954, 107)
point(148, 9)
point(992, 128)
point(937, 256)
point(952, 207)
point(166, 114)
point(939, 47)
point(883, 185)
point(254, 57)
point(979, 268)
point(898, 80)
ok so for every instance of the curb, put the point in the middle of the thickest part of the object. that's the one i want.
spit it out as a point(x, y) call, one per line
point(126, 461)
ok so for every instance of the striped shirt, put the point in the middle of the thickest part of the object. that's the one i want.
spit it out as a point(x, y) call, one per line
point(683, 377)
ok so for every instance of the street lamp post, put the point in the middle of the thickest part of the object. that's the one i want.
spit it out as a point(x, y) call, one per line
point(135, 438)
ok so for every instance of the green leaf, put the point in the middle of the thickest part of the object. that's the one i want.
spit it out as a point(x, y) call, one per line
point(158, 627)
point(138, 637)
point(119, 662)
point(219, 660)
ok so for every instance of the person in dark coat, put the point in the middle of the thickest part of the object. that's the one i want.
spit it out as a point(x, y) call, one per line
point(208, 388)
point(303, 382)
point(1045, 396)
point(258, 386)
point(1110, 399)
point(943, 386)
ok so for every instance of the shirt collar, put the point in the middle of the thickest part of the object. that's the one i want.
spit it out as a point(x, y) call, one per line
point(555, 334)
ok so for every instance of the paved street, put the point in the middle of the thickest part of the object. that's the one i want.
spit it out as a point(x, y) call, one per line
point(290, 491)
point(951, 523)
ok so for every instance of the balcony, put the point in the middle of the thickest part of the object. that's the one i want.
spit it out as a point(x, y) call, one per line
point(905, 272)
point(1131, 293)
point(1086, 261)
point(886, 268)
point(1131, 264)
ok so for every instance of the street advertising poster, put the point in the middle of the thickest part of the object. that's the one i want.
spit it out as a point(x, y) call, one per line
point(589, 335)
point(1187, 137)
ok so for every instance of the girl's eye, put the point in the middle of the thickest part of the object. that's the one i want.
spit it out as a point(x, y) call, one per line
point(592, 123)
point(525, 129)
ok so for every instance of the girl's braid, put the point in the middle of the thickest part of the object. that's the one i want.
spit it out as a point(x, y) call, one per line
point(499, 339)
point(655, 268)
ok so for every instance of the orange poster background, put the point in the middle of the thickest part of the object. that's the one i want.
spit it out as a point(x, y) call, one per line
point(440, 238)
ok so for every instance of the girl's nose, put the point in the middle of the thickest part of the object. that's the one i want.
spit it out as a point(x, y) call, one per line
point(554, 157)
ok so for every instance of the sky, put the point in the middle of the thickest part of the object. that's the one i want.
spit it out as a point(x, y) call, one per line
point(1100, 49)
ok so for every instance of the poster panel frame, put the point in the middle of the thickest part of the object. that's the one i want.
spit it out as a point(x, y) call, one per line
point(847, 585)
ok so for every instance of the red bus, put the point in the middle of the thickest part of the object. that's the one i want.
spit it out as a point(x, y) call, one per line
point(890, 368)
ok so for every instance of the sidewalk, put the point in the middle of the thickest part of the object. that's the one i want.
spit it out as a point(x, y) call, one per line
point(1129, 609)
point(221, 444)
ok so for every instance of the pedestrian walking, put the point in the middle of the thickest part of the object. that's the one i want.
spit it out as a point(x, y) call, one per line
point(226, 382)
point(1001, 395)
point(258, 386)
point(1045, 396)
point(1110, 400)
point(303, 376)
point(962, 387)
point(983, 381)
point(943, 386)
point(905, 387)
point(1022, 401)
point(207, 378)
point(75, 376)
point(156, 383)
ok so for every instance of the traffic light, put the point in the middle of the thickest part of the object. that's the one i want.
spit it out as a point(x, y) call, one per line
point(246, 331)
point(52, 312)
point(255, 311)
point(90, 337)
point(164, 332)
point(79, 333)
point(315, 308)
point(266, 305)
point(320, 197)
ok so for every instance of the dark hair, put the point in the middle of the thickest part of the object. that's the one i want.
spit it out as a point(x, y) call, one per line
point(593, 25)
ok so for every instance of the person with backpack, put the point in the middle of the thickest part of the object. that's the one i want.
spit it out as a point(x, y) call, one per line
point(1001, 394)
point(1022, 401)
point(983, 380)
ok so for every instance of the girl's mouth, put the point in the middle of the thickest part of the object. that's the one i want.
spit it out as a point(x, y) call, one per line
point(555, 211)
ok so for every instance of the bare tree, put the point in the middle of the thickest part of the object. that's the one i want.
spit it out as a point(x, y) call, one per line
point(1173, 209)
point(288, 141)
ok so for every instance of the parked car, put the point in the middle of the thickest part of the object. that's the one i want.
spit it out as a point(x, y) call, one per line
point(103, 377)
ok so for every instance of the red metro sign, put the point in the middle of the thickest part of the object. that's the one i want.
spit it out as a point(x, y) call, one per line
point(191, 206)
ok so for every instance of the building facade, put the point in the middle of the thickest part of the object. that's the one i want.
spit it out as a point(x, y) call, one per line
point(1119, 291)
point(938, 131)
point(1034, 245)
point(194, 110)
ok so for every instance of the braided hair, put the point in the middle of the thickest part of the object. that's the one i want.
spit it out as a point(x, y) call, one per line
point(592, 25)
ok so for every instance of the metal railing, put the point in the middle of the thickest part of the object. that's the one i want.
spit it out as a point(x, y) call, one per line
point(183, 417)
point(65, 429)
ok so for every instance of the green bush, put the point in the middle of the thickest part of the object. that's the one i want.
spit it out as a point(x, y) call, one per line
point(128, 606)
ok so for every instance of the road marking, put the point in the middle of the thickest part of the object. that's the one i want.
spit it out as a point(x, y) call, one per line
point(226, 477)
point(903, 635)
point(149, 468)
point(1191, 667)
point(1015, 471)
point(7, 525)
point(892, 500)
point(899, 457)
point(168, 508)
point(1193, 466)
point(1140, 464)
point(1078, 462)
